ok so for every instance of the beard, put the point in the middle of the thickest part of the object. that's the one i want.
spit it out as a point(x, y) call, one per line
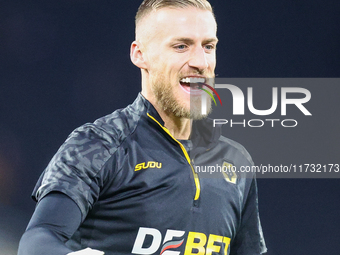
point(166, 99)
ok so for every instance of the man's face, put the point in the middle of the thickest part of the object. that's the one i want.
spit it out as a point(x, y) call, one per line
point(181, 44)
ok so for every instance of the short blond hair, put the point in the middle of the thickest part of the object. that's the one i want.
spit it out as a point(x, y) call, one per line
point(152, 5)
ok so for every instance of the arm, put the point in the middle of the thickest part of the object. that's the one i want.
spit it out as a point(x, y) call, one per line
point(54, 221)
point(249, 238)
point(66, 192)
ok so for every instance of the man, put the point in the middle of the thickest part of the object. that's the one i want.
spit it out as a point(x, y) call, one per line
point(126, 184)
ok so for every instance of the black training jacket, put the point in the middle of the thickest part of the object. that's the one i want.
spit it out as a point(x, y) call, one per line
point(141, 191)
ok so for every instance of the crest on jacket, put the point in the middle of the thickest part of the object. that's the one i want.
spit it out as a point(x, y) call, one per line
point(229, 172)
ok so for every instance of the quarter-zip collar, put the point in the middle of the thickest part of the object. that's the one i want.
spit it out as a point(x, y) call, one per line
point(203, 134)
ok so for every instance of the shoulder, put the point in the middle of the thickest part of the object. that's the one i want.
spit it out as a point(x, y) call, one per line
point(111, 129)
point(121, 122)
point(76, 169)
point(97, 141)
point(235, 148)
point(91, 145)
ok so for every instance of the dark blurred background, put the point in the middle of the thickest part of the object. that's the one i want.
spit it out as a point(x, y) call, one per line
point(65, 63)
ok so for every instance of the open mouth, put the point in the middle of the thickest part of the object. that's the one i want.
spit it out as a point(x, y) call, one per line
point(192, 85)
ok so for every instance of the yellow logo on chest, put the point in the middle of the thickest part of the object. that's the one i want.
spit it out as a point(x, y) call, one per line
point(150, 164)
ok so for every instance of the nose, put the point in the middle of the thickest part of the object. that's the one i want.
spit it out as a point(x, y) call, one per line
point(198, 59)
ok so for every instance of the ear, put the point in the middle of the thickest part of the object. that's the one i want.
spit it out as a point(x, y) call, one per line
point(137, 55)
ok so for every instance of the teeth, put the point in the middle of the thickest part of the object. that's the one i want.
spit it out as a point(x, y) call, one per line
point(193, 80)
point(199, 80)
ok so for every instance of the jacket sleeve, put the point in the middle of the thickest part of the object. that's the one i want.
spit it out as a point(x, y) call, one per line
point(75, 170)
point(249, 239)
point(54, 221)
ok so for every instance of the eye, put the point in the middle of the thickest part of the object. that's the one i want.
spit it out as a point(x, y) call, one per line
point(209, 47)
point(180, 47)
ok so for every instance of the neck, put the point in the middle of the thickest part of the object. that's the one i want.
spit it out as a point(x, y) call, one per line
point(180, 128)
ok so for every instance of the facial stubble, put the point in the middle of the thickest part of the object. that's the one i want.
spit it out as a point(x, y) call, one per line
point(169, 103)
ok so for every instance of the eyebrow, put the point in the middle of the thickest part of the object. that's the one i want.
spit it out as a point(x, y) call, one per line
point(191, 41)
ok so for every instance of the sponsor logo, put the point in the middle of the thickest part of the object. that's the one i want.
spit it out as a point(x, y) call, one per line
point(150, 164)
point(149, 240)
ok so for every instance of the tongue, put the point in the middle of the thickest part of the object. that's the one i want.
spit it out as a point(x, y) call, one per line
point(191, 85)
point(185, 86)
